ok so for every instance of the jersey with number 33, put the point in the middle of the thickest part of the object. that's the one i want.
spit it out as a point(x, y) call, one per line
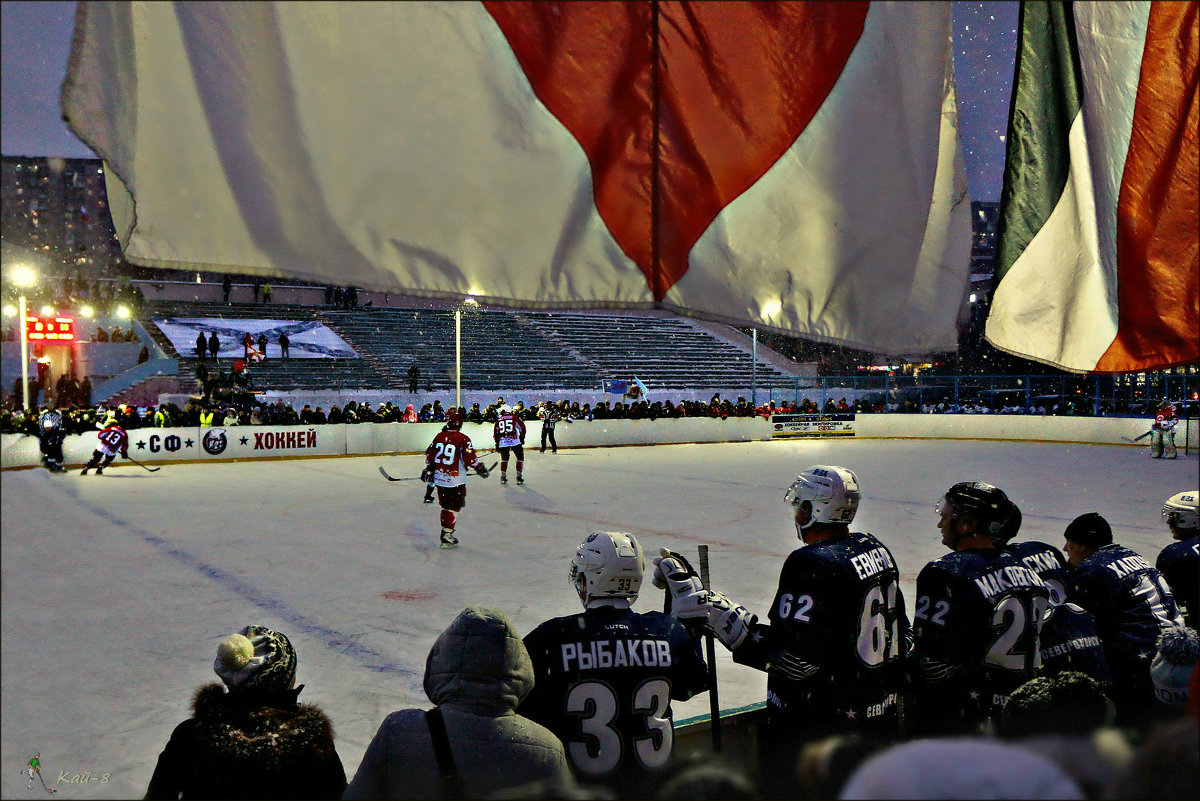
point(604, 681)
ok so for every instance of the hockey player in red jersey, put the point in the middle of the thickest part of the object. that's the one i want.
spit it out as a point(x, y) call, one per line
point(1162, 433)
point(509, 434)
point(446, 461)
point(113, 440)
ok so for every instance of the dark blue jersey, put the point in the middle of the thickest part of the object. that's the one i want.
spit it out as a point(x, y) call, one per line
point(1130, 602)
point(1069, 642)
point(1048, 562)
point(604, 680)
point(837, 634)
point(977, 625)
point(1179, 564)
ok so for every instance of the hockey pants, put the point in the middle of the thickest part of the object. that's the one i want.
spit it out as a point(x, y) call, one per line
point(1162, 443)
point(549, 433)
point(98, 457)
point(52, 451)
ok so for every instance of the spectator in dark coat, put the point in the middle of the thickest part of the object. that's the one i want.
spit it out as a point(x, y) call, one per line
point(283, 344)
point(225, 287)
point(262, 344)
point(254, 739)
point(201, 345)
point(214, 344)
point(85, 392)
point(476, 674)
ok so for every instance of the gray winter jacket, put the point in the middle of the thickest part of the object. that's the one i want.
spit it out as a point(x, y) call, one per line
point(477, 672)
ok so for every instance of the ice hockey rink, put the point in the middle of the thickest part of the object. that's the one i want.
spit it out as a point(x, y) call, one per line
point(117, 588)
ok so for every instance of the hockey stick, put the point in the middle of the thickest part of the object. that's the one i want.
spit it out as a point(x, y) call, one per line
point(714, 705)
point(393, 478)
point(43, 781)
point(139, 464)
point(384, 473)
point(1135, 439)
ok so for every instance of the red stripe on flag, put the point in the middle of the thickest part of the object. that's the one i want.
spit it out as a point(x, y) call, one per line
point(1158, 253)
point(736, 84)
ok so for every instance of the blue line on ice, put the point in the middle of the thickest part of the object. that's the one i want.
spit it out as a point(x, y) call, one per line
point(336, 640)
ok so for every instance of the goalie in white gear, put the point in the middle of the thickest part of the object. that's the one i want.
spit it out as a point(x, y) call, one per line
point(837, 632)
point(605, 678)
point(1162, 432)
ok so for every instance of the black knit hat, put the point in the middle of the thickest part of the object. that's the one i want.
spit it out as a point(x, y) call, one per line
point(1090, 530)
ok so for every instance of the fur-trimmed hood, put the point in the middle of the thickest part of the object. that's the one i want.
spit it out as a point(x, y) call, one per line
point(267, 725)
point(250, 743)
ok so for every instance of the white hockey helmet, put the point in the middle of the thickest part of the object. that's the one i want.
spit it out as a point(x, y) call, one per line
point(1180, 510)
point(833, 492)
point(608, 564)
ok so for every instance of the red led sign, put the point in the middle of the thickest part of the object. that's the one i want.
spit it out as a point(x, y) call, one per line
point(50, 329)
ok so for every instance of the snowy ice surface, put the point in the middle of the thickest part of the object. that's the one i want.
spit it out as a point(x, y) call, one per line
point(117, 588)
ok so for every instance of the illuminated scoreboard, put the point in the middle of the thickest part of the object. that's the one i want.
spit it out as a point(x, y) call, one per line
point(50, 329)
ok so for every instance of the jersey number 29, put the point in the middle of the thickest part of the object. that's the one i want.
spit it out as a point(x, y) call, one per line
point(446, 453)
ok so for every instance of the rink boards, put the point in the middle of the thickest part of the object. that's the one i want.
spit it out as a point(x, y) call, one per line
point(282, 442)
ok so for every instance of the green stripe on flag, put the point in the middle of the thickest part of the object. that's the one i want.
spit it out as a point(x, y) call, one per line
point(1045, 102)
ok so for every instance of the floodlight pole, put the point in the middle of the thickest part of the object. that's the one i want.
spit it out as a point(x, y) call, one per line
point(754, 369)
point(458, 358)
point(24, 326)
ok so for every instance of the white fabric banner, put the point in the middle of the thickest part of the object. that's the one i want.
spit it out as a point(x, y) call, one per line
point(424, 148)
point(308, 339)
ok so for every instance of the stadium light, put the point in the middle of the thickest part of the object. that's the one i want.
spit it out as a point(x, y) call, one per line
point(473, 304)
point(47, 311)
point(9, 310)
point(86, 311)
point(123, 311)
point(23, 276)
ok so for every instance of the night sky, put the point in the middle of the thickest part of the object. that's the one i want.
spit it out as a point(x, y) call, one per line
point(35, 38)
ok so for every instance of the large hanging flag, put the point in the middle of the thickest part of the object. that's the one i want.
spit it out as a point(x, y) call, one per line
point(1098, 253)
point(787, 165)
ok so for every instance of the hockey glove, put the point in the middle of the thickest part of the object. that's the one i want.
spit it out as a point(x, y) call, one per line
point(481, 470)
point(427, 475)
point(691, 602)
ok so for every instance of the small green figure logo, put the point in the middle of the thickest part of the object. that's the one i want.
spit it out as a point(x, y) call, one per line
point(34, 768)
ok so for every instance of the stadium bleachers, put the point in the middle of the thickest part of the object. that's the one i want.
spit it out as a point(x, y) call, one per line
point(500, 348)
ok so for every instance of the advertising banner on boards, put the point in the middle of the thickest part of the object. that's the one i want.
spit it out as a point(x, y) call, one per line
point(812, 425)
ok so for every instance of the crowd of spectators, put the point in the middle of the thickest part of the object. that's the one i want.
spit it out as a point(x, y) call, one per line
point(231, 395)
point(105, 296)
